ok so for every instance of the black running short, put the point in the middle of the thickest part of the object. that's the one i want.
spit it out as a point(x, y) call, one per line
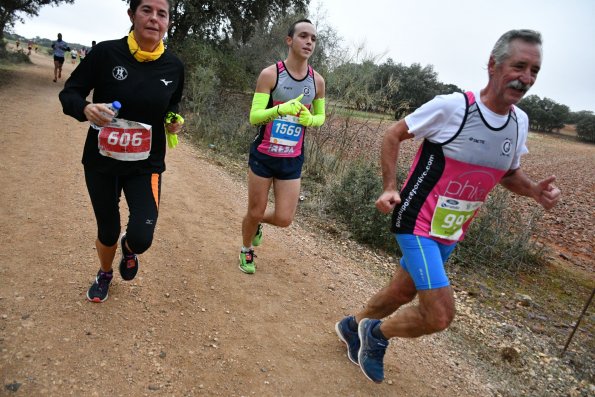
point(142, 194)
point(284, 168)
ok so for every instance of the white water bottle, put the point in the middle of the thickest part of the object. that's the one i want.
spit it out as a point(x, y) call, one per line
point(115, 107)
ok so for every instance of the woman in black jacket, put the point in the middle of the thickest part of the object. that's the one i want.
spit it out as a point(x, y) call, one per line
point(147, 80)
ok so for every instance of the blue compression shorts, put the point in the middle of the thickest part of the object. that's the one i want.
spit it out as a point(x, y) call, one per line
point(424, 259)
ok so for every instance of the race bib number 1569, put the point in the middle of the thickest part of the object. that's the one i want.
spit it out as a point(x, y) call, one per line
point(286, 130)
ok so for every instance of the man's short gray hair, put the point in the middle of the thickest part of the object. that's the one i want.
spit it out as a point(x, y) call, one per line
point(501, 49)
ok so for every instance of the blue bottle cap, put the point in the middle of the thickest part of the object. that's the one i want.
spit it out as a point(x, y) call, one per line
point(117, 105)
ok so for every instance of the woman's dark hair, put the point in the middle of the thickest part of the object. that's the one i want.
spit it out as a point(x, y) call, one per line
point(291, 30)
point(135, 3)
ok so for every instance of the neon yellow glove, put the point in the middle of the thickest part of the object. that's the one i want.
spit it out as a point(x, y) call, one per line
point(259, 114)
point(317, 117)
point(292, 107)
point(171, 117)
point(172, 139)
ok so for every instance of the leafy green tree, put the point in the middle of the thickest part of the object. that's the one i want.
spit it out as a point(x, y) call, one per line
point(10, 10)
point(419, 84)
point(559, 114)
point(530, 104)
point(225, 20)
point(412, 85)
point(545, 115)
point(585, 128)
point(237, 65)
point(448, 88)
point(388, 87)
point(576, 117)
point(265, 47)
point(353, 84)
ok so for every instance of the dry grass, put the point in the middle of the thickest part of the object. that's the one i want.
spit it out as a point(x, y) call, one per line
point(569, 130)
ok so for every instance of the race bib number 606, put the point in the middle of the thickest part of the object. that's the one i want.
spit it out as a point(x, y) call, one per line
point(125, 141)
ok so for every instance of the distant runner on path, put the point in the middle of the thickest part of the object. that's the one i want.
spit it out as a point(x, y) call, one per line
point(139, 83)
point(59, 47)
point(471, 142)
point(289, 98)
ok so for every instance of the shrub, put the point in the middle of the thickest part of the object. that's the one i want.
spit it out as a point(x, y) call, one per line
point(13, 57)
point(221, 123)
point(346, 135)
point(217, 118)
point(501, 237)
point(352, 201)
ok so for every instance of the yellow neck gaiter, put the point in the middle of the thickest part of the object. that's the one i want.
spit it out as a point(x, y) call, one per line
point(144, 56)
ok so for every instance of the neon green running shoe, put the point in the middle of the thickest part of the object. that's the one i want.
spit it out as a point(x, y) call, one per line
point(257, 240)
point(247, 264)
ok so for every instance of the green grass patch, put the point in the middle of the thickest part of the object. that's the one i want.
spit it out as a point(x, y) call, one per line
point(347, 112)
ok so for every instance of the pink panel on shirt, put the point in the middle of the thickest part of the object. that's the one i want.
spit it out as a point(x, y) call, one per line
point(460, 181)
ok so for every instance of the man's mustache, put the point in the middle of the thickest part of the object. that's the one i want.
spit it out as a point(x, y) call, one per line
point(518, 85)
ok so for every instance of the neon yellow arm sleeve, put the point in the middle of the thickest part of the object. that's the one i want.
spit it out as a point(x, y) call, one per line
point(318, 112)
point(259, 114)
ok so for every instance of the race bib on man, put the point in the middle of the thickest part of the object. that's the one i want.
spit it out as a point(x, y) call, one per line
point(125, 140)
point(450, 215)
point(286, 130)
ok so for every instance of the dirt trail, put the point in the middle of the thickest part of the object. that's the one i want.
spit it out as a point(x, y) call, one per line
point(191, 323)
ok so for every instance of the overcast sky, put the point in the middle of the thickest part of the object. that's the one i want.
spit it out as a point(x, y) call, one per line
point(455, 36)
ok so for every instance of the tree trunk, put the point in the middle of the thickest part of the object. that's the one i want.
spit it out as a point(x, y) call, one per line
point(4, 19)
